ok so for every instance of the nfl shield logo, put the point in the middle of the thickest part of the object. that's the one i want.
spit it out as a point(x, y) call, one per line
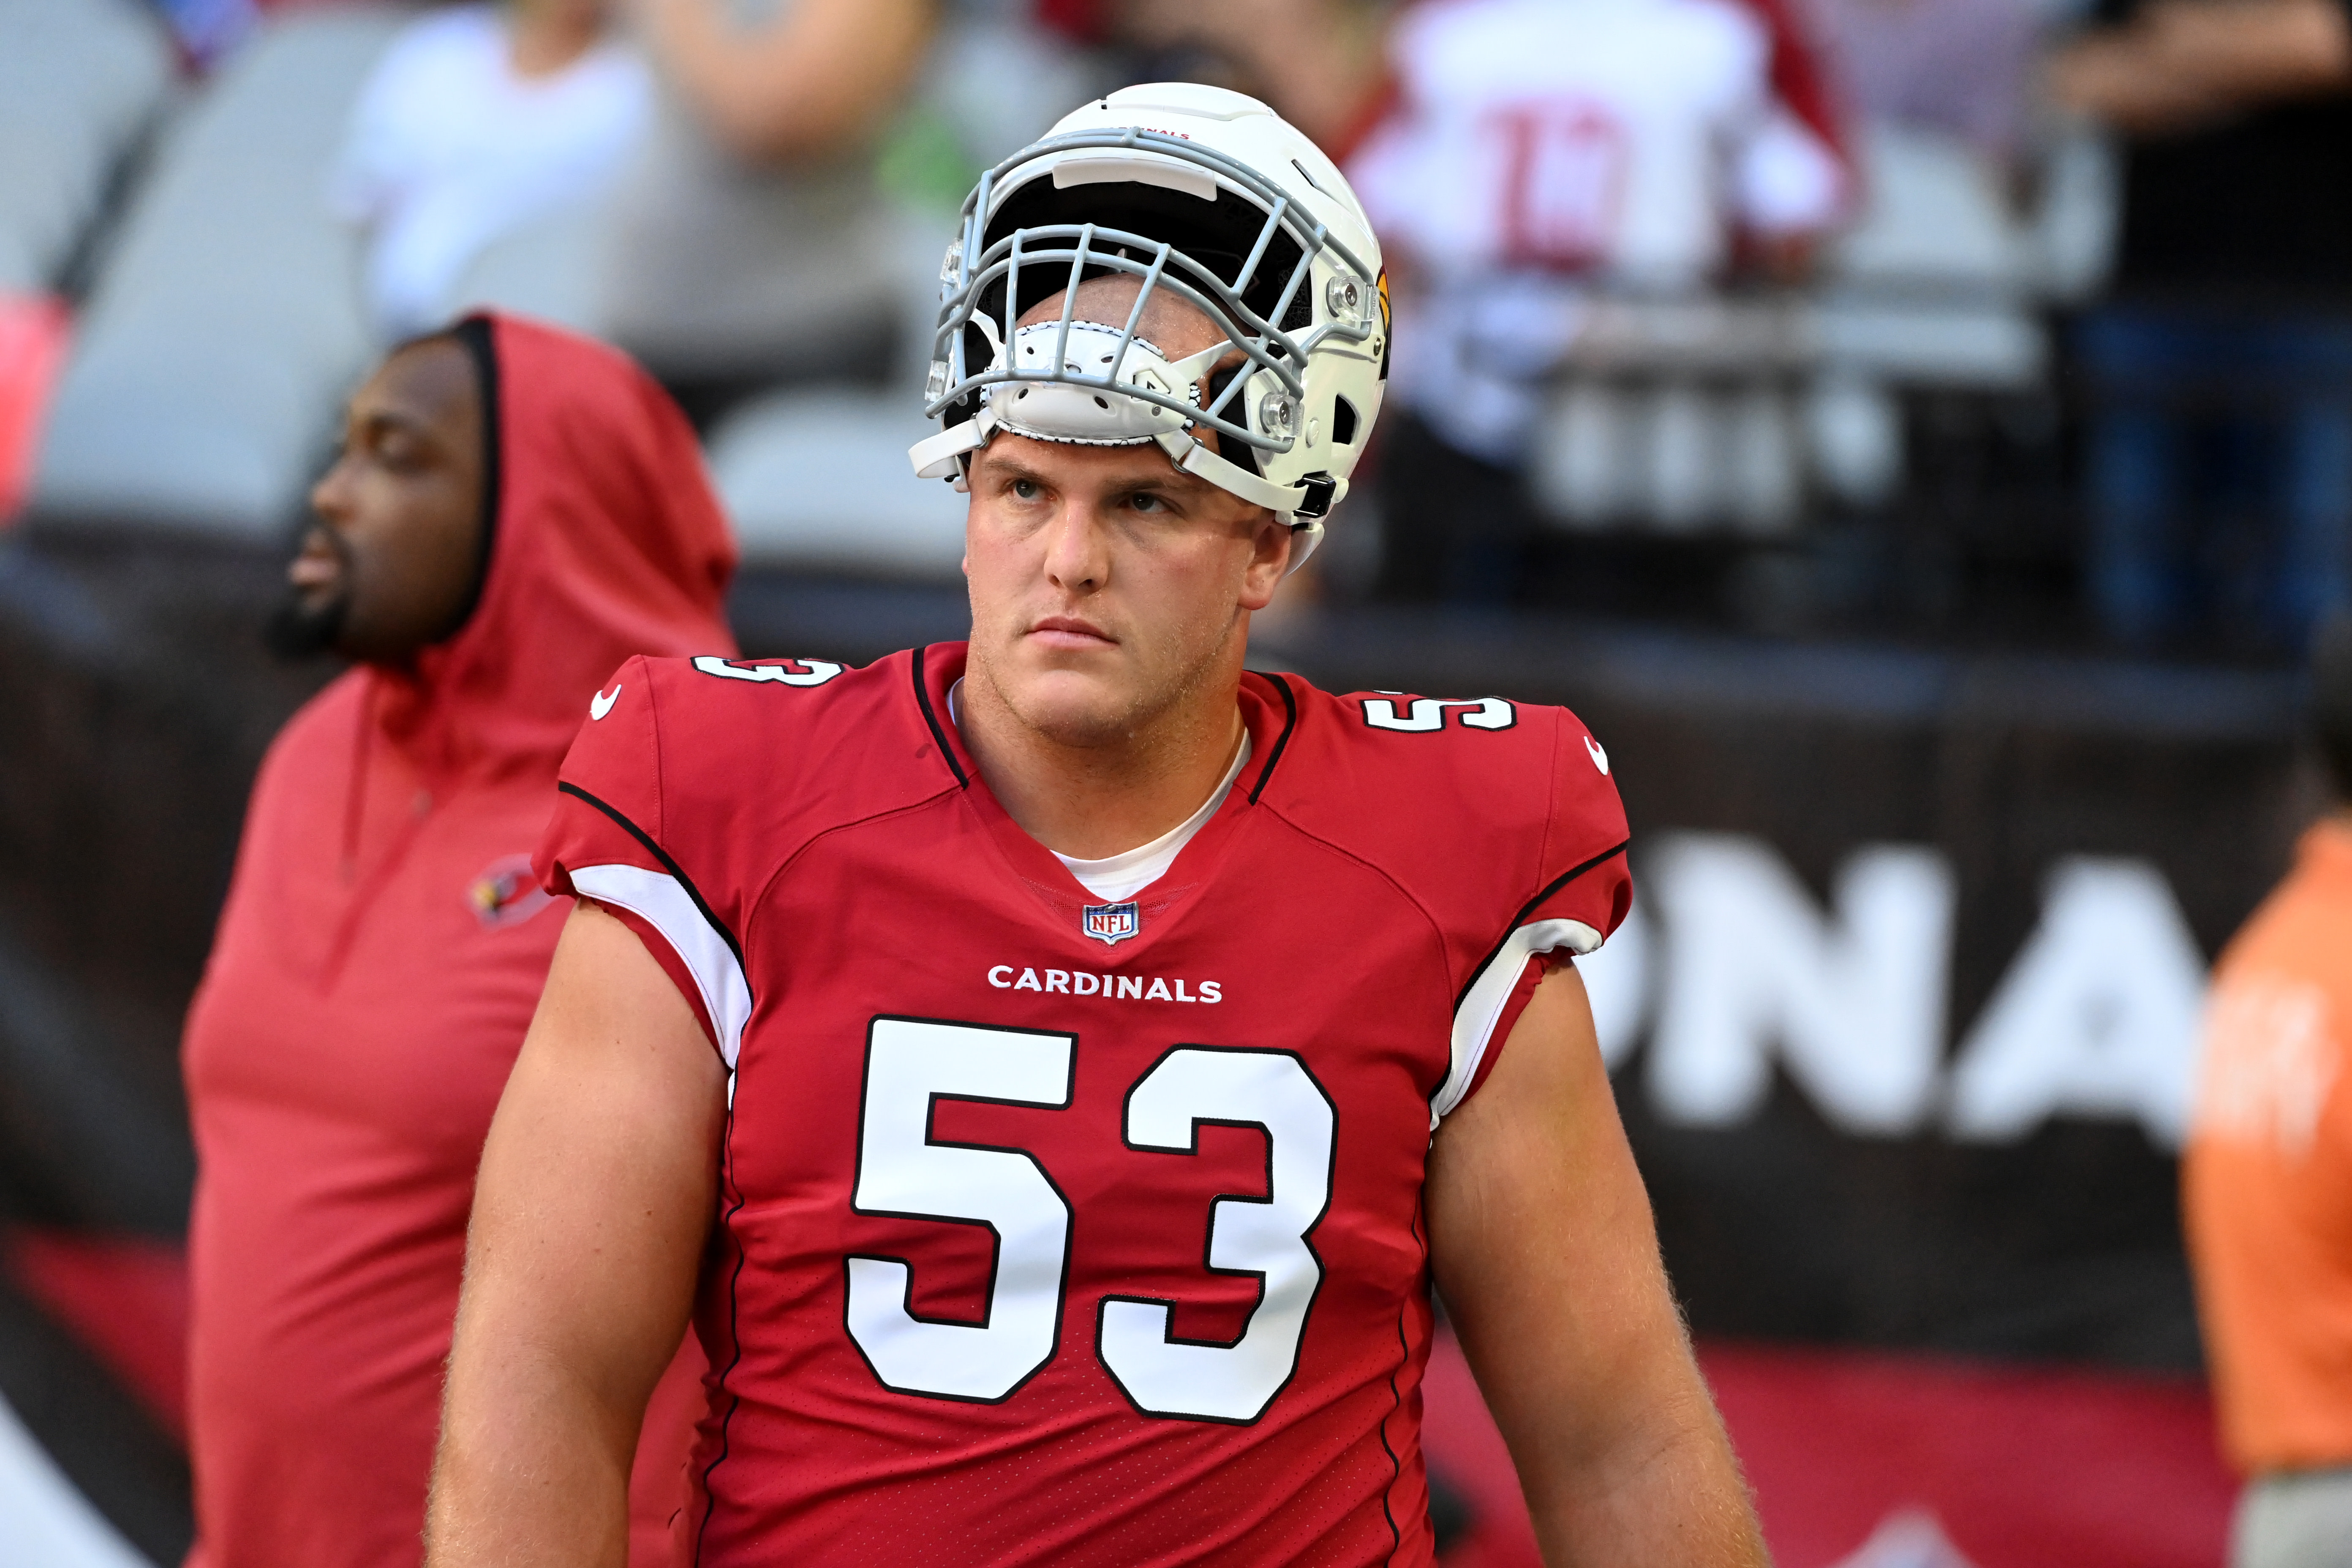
point(1110, 924)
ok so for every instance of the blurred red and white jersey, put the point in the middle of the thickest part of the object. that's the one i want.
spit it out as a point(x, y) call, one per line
point(1540, 147)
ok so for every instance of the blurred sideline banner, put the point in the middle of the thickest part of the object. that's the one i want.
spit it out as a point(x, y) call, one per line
point(1858, 1459)
point(1887, 1461)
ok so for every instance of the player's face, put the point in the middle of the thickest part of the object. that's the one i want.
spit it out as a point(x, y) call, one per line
point(390, 565)
point(1107, 585)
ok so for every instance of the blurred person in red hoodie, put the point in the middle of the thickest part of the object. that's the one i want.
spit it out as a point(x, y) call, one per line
point(515, 512)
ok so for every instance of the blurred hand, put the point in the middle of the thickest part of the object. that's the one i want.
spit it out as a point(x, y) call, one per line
point(1315, 62)
point(804, 87)
point(2182, 64)
point(546, 36)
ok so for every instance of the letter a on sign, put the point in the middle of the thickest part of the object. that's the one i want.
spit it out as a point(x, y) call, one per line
point(2097, 1017)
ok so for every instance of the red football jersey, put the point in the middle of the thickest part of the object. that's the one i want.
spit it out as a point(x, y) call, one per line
point(1056, 1231)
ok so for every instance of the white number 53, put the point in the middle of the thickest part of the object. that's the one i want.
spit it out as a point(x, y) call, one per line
point(903, 1170)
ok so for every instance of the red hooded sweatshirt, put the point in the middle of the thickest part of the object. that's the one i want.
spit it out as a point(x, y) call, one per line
point(381, 950)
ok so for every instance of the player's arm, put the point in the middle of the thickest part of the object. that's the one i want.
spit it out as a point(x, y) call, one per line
point(1543, 1246)
point(594, 1200)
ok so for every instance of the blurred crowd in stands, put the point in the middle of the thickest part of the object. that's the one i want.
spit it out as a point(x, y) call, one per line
point(1962, 318)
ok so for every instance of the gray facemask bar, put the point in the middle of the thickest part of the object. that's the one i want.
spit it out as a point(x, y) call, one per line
point(1266, 346)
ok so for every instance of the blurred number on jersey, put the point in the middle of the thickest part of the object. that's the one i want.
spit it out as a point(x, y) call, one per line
point(1564, 181)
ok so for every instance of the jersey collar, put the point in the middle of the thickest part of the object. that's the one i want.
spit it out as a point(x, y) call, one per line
point(1269, 709)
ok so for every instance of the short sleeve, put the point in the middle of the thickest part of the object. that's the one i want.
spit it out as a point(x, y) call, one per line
point(1577, 895)
point(605, 842)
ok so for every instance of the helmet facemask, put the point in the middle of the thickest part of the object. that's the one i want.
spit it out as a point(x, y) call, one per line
point(1187, 222)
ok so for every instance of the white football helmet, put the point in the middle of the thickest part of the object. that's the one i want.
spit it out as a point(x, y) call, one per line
point(1210, 195)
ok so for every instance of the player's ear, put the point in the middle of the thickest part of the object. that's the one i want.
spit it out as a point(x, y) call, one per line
point(971, 514)
point(1269, 560)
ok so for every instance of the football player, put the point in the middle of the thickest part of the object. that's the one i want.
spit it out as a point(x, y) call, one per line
point(1052, 1071)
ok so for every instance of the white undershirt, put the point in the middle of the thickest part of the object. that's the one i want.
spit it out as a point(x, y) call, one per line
point(1118, 877)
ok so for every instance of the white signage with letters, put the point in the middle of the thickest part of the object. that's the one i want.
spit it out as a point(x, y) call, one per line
point(1735, 968)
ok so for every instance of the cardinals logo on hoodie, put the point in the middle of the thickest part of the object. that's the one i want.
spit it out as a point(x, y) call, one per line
point(506, 893)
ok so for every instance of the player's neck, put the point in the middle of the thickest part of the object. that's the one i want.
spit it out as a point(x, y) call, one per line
point(1090, 802)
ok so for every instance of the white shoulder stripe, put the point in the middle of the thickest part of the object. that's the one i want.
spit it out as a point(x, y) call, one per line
point(1482, 1004)
point(661, 903)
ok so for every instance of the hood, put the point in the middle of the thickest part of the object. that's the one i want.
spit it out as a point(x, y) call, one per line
point(605, 541)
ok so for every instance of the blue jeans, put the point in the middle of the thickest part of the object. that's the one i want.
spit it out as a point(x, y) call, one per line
point(2220, 471)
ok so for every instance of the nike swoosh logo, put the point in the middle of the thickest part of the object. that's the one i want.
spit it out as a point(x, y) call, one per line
point(1600, 757)
point(602, 704)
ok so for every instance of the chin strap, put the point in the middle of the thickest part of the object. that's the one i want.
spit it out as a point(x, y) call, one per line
point(1304, 538)
point(1302, 506)
point(942, 457)
point(1188, 452)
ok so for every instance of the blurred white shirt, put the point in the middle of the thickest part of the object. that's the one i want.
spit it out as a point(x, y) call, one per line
point(1541, 147)
point(449, 149)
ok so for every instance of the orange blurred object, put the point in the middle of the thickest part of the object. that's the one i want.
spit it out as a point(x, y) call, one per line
point(2268, 1189)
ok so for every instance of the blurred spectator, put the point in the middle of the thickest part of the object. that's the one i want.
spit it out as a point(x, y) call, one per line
point(2268, 1181)
point(1542, 151)
point(1318, 63)
point(2224, 371)
point(1974, 211)
point(751, 244)
point(1962, 66)
point(515, 512)
point(479, 120)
